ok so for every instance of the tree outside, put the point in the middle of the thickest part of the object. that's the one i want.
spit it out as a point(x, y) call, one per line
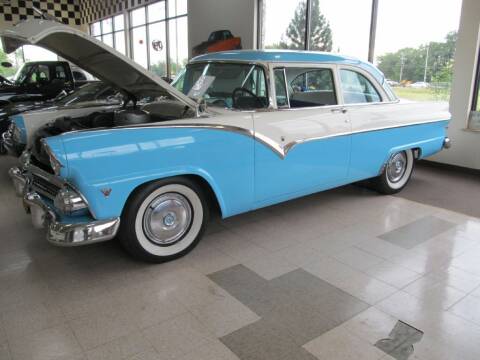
point(410, 65)
point(320, 31)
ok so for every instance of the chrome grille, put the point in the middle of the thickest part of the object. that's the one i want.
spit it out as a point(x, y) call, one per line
point(44, 187)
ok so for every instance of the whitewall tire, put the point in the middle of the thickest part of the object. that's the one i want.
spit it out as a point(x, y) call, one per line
point(396, 173)
point(164, 220)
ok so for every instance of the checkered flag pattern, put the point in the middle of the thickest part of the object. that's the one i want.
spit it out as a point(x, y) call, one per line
point(66, 11)
point(93, 10)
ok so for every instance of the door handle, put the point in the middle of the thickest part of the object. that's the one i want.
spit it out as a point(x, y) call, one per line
point(339, 110)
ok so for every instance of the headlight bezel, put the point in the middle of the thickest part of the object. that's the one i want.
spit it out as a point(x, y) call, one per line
point(69, 201)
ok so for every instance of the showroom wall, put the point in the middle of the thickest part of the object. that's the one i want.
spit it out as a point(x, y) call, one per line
point(240, 17)
point(466, 142)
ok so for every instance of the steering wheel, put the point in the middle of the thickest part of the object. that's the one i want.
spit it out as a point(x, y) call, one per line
point(242, 89)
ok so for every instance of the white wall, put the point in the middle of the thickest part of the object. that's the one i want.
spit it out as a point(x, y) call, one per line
point(238, 16)
point(465, 149)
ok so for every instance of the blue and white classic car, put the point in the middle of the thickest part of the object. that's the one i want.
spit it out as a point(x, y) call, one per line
point(239, 130)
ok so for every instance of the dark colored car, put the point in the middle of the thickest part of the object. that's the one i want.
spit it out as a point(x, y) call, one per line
point(220, 40)
point(40, 81)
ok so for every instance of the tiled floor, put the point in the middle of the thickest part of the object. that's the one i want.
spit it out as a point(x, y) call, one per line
point(323, 277)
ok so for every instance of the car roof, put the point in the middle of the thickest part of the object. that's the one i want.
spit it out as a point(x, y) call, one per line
point(286, 56)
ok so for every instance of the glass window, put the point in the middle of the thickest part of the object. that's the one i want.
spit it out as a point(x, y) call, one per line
point(60, 72)
point(156, 11)
point(107, 25)
point(108, 39)
point(138, 16)
point(177, 7)
point(158, 48)
point(139, 45)
point(119, 22)
point(36, 53)
point(418, 60)
point(310, 87)
point(120, 42)
point(151, 48)
point(96, 29)
point(226, 82)
point(280, 88)
point(357, 89)
point(178, 42)
point(283, 27)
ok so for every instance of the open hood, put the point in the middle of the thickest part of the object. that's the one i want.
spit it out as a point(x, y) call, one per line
point(91, 55)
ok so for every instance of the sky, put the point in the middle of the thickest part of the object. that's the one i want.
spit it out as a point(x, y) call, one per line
point(401, 23)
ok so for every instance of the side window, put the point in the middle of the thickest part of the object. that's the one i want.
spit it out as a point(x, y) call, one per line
point(39, 75)
point(60, 72)
point(311, 87)
point(357, 88)
point(280, 89)
point(78, 76)
point(256, 83)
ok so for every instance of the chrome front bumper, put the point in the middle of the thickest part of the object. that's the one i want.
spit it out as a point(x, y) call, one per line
point(58, 232)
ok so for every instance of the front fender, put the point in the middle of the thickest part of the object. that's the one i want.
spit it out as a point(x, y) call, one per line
point(107, 165)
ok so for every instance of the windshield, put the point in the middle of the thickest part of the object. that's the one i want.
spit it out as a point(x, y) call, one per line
point(241, 86)
point(93, 92)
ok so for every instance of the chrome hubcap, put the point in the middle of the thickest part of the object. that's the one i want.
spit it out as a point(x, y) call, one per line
point(167, 218)
point(396, 167)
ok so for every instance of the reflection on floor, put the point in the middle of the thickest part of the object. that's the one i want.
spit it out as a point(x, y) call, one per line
point(323, 277)
point(445, 187)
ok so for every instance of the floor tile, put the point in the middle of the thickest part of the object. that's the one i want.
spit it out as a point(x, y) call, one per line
point(393, 274)
point(24, 320)
point(339, 344)
point(97, 329)
point(180, 335)
point(224, 316)
point(211, 351)
point(4, 351)
point(435, 293)
point(468, 308)
point(357, 258)
point(122, 348)
point(417, 232)
point(270, 266)
point(371, 325)
point(207, 259)
point(299, 255)
point(55, 343)
point(236, 246)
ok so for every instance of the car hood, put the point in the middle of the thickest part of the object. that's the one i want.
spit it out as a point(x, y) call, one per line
point(91, 55)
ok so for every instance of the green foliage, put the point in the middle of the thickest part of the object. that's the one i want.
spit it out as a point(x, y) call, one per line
point(3, 70)
point(320, 32)
point(440, 57)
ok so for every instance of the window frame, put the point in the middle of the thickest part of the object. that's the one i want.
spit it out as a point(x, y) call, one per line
point(147, 24)
point(309, 66)
point(475, 105)
point(112, 33)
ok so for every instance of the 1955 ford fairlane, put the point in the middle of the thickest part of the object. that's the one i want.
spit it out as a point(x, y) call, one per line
point(240, 130)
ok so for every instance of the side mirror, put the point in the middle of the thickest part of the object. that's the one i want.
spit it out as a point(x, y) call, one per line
point(6, 64)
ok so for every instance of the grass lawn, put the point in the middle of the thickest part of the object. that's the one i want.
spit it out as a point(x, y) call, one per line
point(427, 94)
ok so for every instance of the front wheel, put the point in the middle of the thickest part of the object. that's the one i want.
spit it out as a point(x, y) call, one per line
point(164, 220)
point(396, 173)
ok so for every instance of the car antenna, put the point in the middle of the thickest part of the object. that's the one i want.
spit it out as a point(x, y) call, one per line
point(45, 15)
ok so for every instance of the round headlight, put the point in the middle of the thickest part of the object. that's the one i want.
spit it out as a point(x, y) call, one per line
point(69, 201)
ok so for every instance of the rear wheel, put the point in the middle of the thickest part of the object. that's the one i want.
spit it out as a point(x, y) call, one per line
point(396, 174)
point(164, 220)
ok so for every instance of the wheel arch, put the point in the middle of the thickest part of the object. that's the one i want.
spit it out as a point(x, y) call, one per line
point(211, 191)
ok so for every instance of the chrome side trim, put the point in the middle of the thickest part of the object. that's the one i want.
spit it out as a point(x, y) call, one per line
point(279, 149)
